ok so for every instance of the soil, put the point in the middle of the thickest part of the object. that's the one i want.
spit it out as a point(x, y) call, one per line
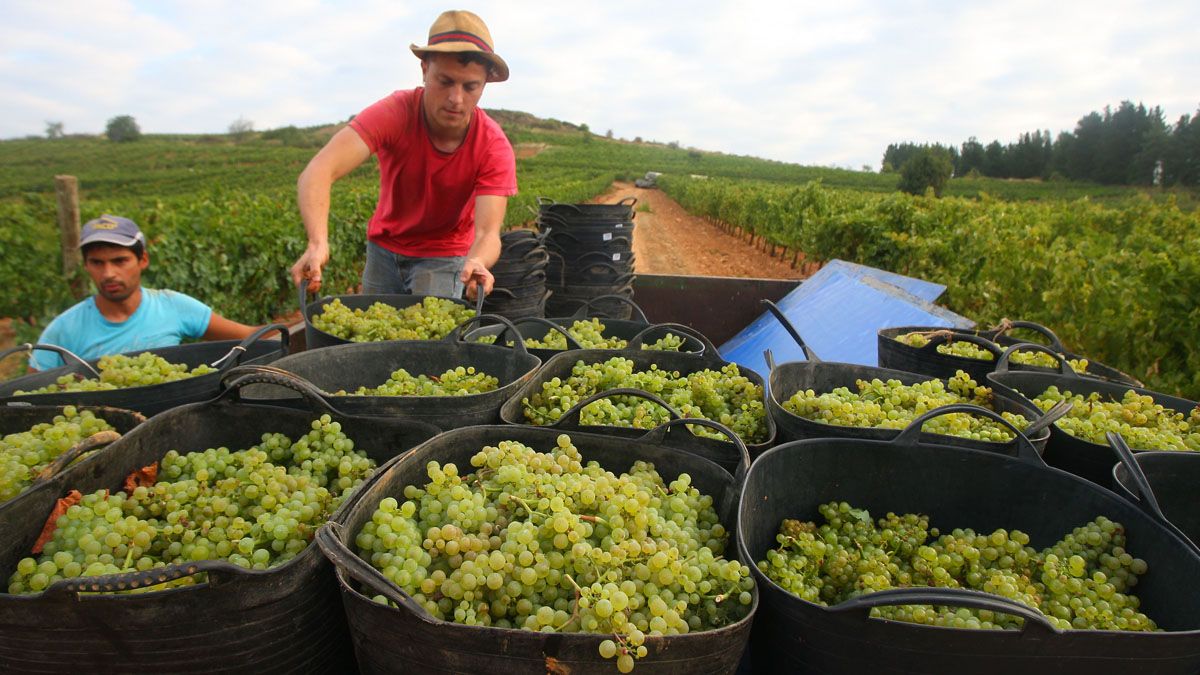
point(669, 240)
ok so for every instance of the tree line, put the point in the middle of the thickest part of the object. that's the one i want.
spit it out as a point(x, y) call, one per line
point(1132, 145)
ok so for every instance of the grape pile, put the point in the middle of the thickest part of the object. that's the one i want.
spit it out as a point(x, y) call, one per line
point(118, 371)
point(548, 542)
point(970, 350)
point(256, 508)
point(724, 395)
point(589, 333)
point(1144, 424)
point(892, 405)
point(458, 381)
point(24, 454)
point(1082, 581)
point(431, 319)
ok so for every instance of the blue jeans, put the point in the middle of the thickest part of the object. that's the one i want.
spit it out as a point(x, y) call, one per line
point(388, 273)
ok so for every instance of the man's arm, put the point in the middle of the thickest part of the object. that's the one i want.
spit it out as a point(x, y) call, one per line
point(485, 251)
point(341, 155)
point(220, 328)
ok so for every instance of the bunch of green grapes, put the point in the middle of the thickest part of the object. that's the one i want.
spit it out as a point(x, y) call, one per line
point(24, 454)
point(893, 405)
point(547, 541)
point(255, 508)
point(118, 371)
point(970, 350)
point(589, 333)
point(1144, 424)
point(431, 319)
point(1083, 581)
point(726, 396)
point(458, 381)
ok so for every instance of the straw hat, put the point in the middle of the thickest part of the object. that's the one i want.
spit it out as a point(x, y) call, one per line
point(461, 31)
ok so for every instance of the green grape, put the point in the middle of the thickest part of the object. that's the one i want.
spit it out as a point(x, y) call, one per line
point(24, 454)
point(893, 405)
point(546, 540)
point(118, 371)
point(1143, 424)
point(589, 333)
point(1082, 581)
point(970, 350)
point(431, 319)
point(726, 396)
point(256, 508)
point(458, 381)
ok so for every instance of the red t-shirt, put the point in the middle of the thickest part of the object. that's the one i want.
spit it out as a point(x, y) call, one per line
point(426, 196)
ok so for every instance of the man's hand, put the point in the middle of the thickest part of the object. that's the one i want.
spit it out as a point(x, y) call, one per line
point(476, 274)
point(309, 267)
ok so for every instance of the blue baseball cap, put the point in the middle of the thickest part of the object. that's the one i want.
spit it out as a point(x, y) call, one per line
point(111, 230)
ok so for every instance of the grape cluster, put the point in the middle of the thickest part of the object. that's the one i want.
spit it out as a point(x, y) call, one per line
point(24, 454)
point(118, 371)
point(431, 319)
point(726, 396)
point(589, 333)
point(1082, 581)
point(970, 350)
point(893, 405)
point(256, 508)
point(547, 541)
point(1144, 424)
point(458, 381)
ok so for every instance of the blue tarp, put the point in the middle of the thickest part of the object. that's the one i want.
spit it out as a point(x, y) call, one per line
point(839, 312)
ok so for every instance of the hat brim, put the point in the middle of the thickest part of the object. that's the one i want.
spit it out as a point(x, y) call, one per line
point(112, 238)
point(499, 72)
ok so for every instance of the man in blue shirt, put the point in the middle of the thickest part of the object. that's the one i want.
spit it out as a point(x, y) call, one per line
point(122, 316)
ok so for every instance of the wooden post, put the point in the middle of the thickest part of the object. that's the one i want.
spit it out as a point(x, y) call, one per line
point(66, 190)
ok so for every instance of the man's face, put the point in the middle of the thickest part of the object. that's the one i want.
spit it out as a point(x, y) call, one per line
point(452, 90)
point(114, 270)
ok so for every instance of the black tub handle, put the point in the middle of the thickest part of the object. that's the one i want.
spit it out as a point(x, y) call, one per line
point(659, 436)
point(631, 199)
point(459, 333)
point(954, 597)
point(96, 440)
point(569, 420)
point(1055, 413)
point(503, 291)
point(1142, 489)
point(582, 312)
point(545, 201)
point(706, 345)
point(65, 353)
point(329, 539)
point(1006, 326)
point(234, 356)
point(1064, 368)
point(233, 380)
point(537, 251)
point(945, 336)
point(219, 572)
point(911, 434)
point(809, 354)
point(769, 357)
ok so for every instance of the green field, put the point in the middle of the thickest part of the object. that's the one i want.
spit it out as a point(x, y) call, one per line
point(1115, 270)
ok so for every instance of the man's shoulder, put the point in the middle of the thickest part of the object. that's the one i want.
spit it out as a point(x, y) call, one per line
point(165, 297)
point(74, 312)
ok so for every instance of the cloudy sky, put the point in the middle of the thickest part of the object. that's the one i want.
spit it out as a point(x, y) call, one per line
point(813, 83)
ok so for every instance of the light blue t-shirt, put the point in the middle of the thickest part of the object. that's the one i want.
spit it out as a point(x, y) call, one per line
point(164, 318)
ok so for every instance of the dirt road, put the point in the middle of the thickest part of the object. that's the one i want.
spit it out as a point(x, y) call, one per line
point(669, 240)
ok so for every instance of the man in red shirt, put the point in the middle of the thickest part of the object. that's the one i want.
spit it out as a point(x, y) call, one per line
point(446, 172)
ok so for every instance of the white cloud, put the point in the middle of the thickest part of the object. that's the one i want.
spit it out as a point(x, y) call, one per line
point(832, 84)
